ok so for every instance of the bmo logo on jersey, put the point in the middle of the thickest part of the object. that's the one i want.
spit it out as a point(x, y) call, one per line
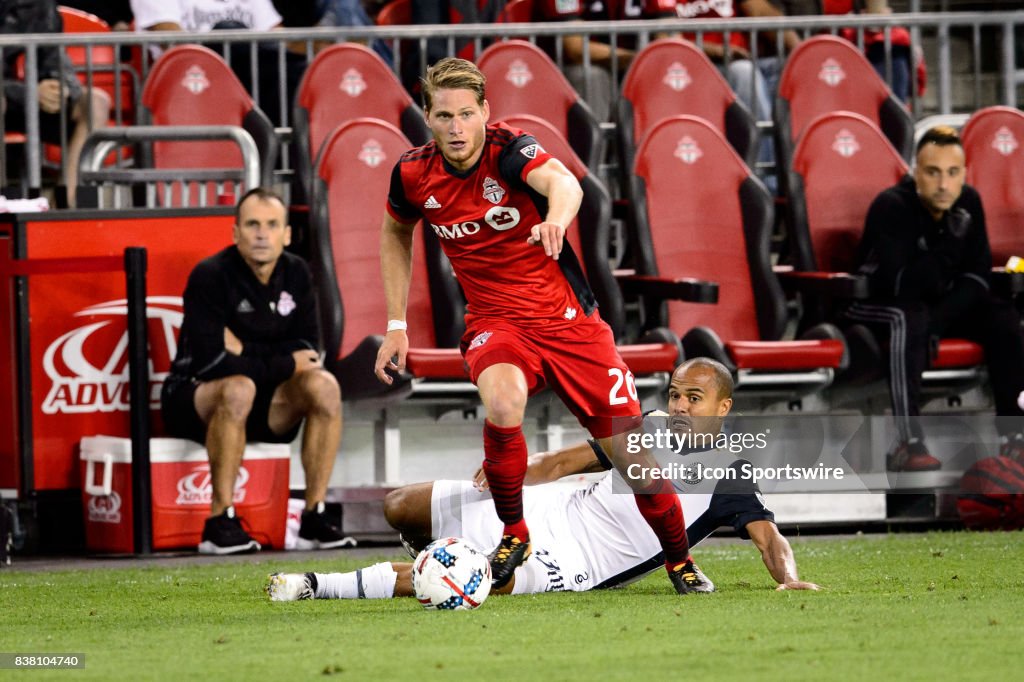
point(500, 218)
point(457, 230)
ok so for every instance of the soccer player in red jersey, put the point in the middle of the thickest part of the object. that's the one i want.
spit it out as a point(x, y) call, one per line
point(500, 205)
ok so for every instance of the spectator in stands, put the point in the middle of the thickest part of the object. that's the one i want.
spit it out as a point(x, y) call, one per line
point(203, 16)
point(925, 252)
point(754, 84)
point(595, 83)
point(331, 13)
point(445, 12)
point(905, 65)
point(248, 368)
point(117, 13)
point(64, 104)
point(351, 13)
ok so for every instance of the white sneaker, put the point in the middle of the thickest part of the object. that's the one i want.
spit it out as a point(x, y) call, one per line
point(291, 586)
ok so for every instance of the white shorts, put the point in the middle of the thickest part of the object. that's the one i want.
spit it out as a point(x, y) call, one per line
point(458, 509)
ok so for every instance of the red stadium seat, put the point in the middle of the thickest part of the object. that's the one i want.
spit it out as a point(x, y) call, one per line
point(588, 238)
point(993, 140)
point(192, 85)
point(670, 77)
point(521, 79)
point(102, 59)
point(356, 163)
point(841, 163)
point(721, 234)
point(826, 74)
point(345, 82)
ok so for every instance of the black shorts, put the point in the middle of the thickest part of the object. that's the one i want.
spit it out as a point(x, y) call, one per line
point(177, 403)
point(49, 124)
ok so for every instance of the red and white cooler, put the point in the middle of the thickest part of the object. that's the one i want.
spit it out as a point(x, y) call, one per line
point(181, 492)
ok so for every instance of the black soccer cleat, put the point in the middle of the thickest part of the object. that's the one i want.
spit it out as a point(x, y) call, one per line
point(506, 557)
point(688, 579)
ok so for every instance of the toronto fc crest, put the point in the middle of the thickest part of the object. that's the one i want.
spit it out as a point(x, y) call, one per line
point(493, 192)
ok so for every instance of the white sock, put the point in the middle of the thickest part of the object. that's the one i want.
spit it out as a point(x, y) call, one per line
point(372, 582)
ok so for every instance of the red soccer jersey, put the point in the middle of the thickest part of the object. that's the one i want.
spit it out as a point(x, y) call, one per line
point(711, 9)
point(482, 218)
point(602, 10)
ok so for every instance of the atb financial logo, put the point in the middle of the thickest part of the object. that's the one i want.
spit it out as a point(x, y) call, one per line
point(88, 366)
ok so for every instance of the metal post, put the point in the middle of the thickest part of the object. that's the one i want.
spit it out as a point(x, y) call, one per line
point(945, 79)
point(33, 158)
point(1009, 67)
point(138, 396)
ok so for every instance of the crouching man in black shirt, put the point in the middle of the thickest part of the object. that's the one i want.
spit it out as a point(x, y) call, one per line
point(248, 368)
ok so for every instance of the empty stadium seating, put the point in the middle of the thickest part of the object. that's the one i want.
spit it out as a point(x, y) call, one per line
point(824, 74)
point(521, 79)
point(192, 85)
point(345, 82)
point(993, 139)
point(701, 213)
point(670, 77)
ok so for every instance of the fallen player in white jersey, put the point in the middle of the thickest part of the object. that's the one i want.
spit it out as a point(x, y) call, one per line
point(586, 537)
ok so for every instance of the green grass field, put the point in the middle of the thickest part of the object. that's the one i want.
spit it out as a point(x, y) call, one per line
point(937, 605)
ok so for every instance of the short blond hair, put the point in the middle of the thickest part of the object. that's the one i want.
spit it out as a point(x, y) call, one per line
point(452, 73)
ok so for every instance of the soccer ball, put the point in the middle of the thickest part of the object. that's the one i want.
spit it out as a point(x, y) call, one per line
point(451, 574)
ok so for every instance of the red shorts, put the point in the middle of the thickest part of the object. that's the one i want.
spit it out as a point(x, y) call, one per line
point(579, 362)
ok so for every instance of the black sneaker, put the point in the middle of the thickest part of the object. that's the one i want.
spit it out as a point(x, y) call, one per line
point(506, 557)
point(318, 532)
point(688, 579)
point(224, 535)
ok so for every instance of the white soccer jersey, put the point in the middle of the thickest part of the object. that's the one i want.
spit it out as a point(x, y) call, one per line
point(594, 537)
point(200, 16)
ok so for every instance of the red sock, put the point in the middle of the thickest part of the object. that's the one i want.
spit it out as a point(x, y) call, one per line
point(664, 515)
point(505, 468)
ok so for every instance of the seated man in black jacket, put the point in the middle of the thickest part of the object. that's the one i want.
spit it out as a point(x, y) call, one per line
point(248, 368)
point(926, 253)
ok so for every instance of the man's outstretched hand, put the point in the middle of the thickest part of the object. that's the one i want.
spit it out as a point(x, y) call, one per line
point(549, 235)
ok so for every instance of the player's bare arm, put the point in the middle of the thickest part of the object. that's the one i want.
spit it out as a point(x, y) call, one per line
point(564, 194)
point(396, 271)
point(544, 467)
point(777, 556)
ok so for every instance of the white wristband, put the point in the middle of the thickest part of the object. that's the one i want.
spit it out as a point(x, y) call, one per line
point(397, 325)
